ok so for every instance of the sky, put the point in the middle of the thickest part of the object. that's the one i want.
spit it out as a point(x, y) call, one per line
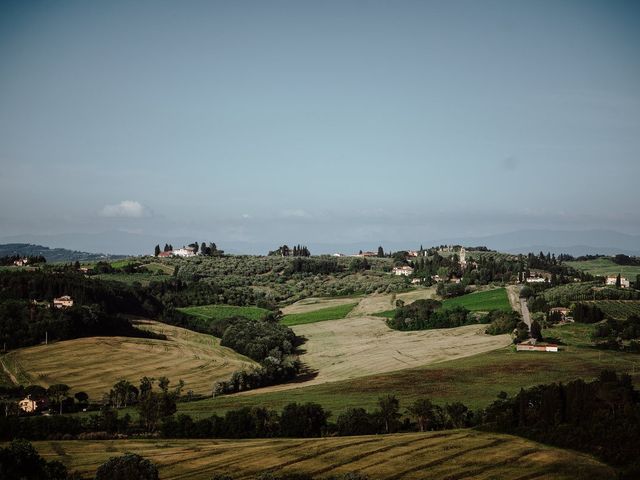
point(301, 121)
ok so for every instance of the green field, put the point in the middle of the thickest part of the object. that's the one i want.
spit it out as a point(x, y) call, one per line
point(481, 301)
point(474, 380)
point(330, 313)
point(220, 312)
point(619, 309)
point(605, 266)
point(452, 454)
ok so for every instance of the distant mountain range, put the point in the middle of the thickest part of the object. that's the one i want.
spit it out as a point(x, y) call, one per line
point(575, 243)
point(52, 254)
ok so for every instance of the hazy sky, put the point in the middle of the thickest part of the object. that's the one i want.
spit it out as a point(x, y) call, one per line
point(333, 121)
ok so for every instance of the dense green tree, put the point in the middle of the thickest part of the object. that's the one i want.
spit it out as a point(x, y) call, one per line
point(82, 398)
point(156, 251)
point(356, 421)
point(127, 467)
point(389, 407)
point(536, 330)
point(57, 393)
point(423, 411)
point(20, 461)
point(303, 420)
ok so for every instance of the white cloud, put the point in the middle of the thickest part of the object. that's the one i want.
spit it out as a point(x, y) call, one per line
point(246, 215)
point(126, 208)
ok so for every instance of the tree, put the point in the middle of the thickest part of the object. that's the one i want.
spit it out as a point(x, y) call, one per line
point(422, 410)
point(356, 421)
point(154, 406)
point(389, 412)
point(127, 467)
point(380, 252)
point(521, 332)
point(58, 393)
point(20, 461)
point(120, 393)
point(82, 398)
point(156, 251)
point(618, 281)
point(306, 420)
point(536, 330)
point(458, 413)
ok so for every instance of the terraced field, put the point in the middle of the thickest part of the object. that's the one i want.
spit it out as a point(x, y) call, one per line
point(94, 364)
point(454, 454)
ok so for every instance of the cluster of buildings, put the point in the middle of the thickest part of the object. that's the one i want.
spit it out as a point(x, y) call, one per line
point(179, 252)
point(21, 262)
point(613, 280)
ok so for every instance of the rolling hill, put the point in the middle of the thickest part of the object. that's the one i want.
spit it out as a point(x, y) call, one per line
point(94, 364)
point(453, 454)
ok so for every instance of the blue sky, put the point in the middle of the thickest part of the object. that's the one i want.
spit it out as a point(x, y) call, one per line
point(327, 121)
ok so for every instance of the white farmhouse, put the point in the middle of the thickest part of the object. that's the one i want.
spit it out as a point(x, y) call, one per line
point(64, 301)
point(404, 270)
point(184, 252)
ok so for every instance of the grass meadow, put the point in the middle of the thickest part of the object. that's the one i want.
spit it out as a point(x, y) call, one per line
point(220, 312)
point(482, 301)
point(605, 266)
point(330, 313)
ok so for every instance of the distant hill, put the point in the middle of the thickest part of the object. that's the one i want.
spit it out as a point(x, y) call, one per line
point(53, 254)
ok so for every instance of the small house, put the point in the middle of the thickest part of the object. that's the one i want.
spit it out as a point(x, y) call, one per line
point(63, 302)
point(404, 270)
point(30, 405)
